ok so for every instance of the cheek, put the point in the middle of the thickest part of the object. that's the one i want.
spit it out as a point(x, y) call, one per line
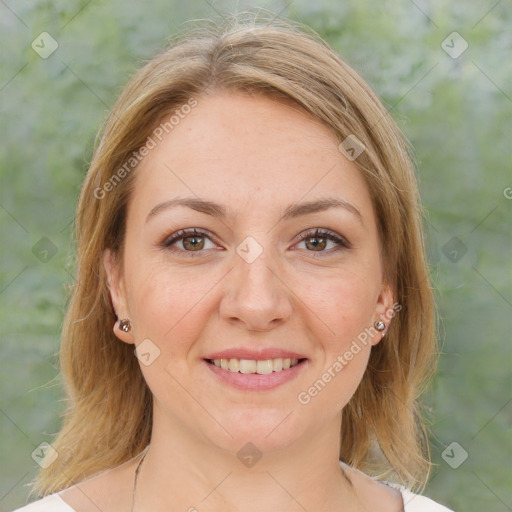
point(168, 306)
point(343, 307)
point(345, 301)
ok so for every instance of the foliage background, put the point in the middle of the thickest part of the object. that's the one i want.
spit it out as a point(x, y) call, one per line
point(456, 111)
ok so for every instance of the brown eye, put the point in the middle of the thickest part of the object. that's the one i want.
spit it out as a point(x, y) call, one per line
point(193, 242)
point(318, 243)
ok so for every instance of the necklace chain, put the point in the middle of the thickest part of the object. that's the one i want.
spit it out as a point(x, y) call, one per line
point(135, 480)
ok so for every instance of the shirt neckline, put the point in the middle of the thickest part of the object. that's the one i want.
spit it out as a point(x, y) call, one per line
point(404, 493)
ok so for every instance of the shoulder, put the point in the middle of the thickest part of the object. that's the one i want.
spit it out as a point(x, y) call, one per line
point(416, 503)
point(107, 491)
point(50, 503)
point(379, 497)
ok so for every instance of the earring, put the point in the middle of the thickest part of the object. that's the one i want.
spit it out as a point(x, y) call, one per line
point(125, 325)
point(380, 326)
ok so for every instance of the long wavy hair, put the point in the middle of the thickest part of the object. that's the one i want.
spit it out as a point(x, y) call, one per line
point(384, 431)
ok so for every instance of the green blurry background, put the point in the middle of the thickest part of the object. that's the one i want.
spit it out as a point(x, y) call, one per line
point(455, 108)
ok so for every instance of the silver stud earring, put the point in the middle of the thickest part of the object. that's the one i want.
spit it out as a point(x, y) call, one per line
point(125, 325)
point(380, 326)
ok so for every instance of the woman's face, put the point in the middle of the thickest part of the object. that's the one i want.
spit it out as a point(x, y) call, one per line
point(251, 283)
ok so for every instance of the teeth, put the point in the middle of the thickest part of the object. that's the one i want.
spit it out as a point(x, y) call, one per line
point(261, 367)
point(246, 366)
point(265, 366)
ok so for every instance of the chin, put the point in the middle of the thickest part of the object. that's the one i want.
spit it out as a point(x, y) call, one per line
point(266, 429)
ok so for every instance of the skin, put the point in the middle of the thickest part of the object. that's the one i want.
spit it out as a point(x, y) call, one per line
point(256, 157)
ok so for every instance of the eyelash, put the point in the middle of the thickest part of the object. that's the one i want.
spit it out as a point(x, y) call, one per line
point(342, 242)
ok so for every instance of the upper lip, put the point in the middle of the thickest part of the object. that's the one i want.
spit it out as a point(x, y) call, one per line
point(259, 355)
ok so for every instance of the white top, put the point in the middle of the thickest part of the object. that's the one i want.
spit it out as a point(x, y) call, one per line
point(413, 503)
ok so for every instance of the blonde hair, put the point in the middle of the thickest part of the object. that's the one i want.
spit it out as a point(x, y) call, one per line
point(383, 429)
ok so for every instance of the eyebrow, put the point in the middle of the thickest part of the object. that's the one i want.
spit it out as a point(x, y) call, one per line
point(291, 212)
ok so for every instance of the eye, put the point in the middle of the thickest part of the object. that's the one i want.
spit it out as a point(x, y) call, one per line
point(317, 240)
point(195, 240)
point(192, 240)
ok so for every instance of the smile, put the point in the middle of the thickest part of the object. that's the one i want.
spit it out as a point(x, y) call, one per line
point(255, 374)
point(261, 366)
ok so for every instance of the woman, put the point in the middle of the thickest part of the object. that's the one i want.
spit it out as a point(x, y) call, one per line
point(252, 322)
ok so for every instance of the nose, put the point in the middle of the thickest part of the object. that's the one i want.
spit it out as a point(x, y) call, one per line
point(256, 296)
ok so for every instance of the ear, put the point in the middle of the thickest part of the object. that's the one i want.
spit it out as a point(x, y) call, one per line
point(385, 310)
point(117, 289)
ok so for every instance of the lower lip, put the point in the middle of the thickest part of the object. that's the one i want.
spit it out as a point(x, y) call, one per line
point(255, 381)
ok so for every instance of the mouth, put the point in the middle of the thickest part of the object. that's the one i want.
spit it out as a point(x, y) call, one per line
point(256, 366)
point(256, 374)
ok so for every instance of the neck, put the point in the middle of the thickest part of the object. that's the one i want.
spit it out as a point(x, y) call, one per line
point(182, 471)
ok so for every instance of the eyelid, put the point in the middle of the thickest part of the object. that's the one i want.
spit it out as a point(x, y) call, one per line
point(186, 233)
point(326, 233)
point(341, 241)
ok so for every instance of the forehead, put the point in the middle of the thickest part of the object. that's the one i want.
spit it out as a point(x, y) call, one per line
point(248, 152)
